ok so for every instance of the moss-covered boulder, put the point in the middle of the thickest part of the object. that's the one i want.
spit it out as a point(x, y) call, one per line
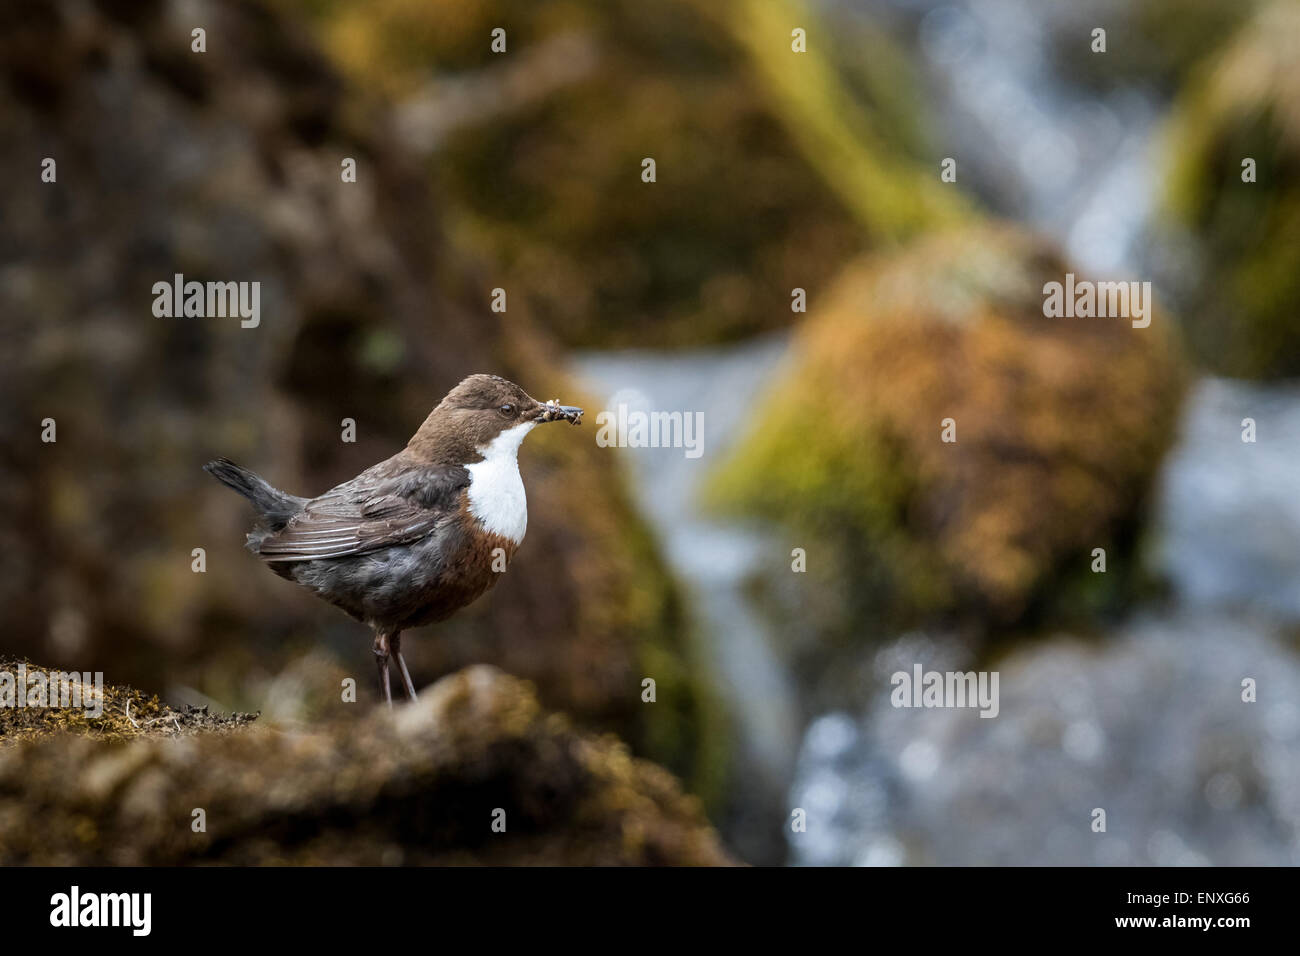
point(1243, 292)
point(1059, 425)
point(773, 167)
point(423, 786)
point(227, 166)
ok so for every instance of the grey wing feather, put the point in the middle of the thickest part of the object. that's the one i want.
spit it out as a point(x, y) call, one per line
point(369, 513)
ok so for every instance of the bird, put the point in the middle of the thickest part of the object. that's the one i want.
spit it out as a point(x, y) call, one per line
point(418, 536)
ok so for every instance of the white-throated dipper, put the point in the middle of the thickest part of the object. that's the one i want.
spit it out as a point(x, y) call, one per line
point(415, 538)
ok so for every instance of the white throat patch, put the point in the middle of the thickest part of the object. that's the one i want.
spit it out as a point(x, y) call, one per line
point(496, 492)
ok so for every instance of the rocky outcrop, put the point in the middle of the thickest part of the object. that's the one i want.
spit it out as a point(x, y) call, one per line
point(423, 786)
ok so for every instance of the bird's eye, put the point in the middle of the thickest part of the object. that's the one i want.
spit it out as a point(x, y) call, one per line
point(506, 409)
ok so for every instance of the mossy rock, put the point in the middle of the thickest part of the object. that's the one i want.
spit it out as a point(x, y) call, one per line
point(422, 786)
point(1243, 295)
point(773, 167)
point(1060, 425)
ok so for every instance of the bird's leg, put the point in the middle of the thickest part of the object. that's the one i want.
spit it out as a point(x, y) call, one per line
point(381, 658)
point(395, 644)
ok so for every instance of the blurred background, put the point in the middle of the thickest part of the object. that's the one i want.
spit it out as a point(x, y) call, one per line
point(776, 170)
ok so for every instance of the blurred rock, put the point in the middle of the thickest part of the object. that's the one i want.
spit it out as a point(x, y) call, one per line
point(773, 168)
point(1243, 288)
point(1148, 725)
point(1149, 43)
point(419, 787)
point(225, 166)
point(1060, 425)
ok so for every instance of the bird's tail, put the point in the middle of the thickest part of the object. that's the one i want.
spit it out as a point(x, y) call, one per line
point(271, 503)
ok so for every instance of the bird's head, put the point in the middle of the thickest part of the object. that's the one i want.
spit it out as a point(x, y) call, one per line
point(487, 409)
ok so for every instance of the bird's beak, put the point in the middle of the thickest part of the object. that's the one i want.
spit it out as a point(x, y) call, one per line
point(553, 411)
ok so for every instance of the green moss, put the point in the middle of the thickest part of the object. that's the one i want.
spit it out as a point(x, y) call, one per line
point(850, 140)
point(1244, 294)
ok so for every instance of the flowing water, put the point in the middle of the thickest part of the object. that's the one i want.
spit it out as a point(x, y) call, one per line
point(711, 559)
point(1149, 723)
point(1077, 167)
